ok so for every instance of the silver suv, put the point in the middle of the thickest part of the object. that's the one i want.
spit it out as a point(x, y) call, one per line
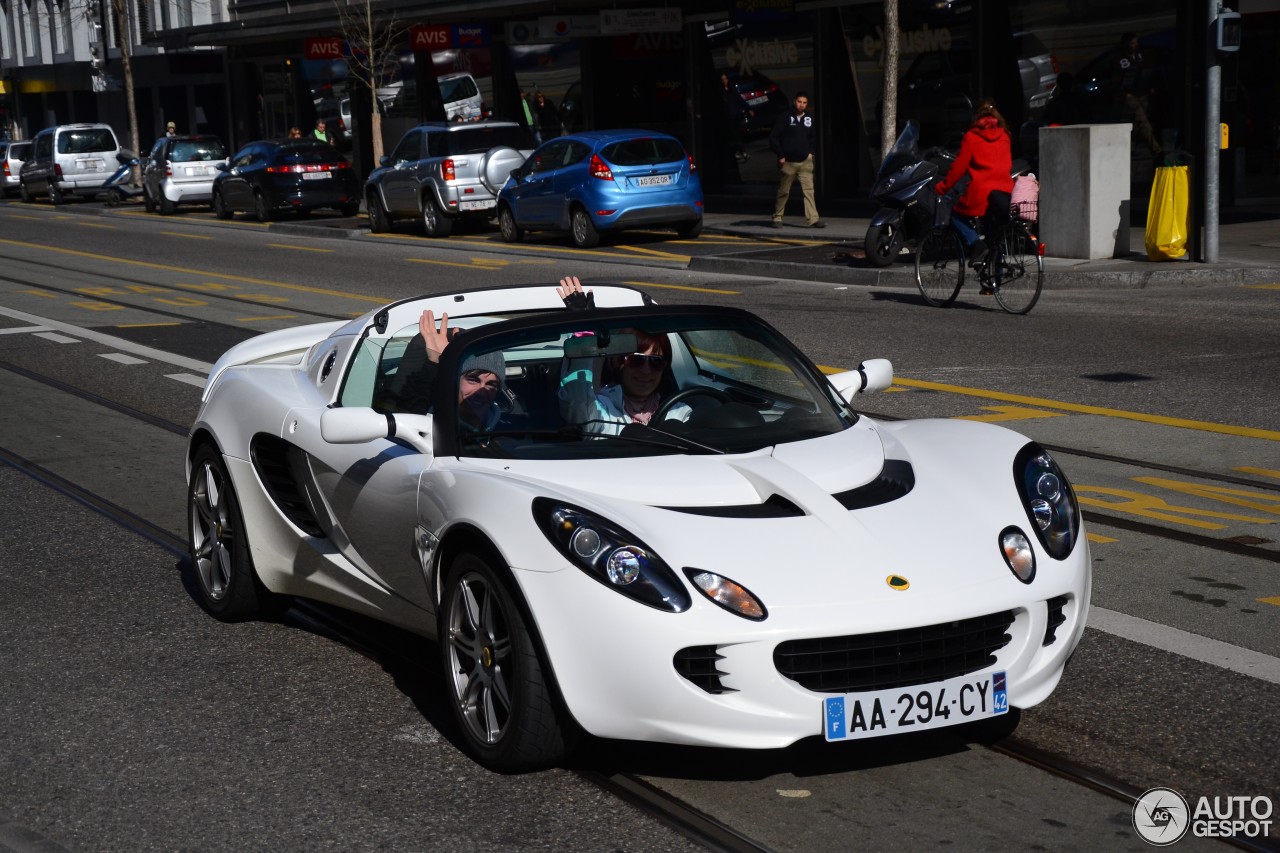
point(68, 160)
point(443, 172)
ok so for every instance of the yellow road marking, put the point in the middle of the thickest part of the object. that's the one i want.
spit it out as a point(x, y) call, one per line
point(1265, 472)
point(297, 248)
point(188, 236)
point(1099, 538)
point(467, 265)
point(1263, 287)
point(1010, 413)
point(96, 225)
point(1275, 599)
point(684, 287)
point(143, 325)
point(670, 256)
point(260, 319)
point(1150, 506)
point(20, 216)
point(188, 271)
point(1078, 408)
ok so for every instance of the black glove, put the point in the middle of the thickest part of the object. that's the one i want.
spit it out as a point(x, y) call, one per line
point(580, 301)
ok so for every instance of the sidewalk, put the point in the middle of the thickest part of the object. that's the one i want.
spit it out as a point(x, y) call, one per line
point(1248, 250)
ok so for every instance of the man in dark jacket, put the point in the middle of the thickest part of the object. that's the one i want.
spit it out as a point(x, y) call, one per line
point(793, 140)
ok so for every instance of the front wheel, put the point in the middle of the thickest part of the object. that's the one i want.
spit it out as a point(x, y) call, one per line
point(147, 203)
point(434, 220)
point(114, 197)
point(25, 193)
point(220, 209)
point(379, 219)
point(1018, 271)
point(940, 266)
point(228, 584)
point(511, 232)
point(883, 243)
point(585, 235)
point(501, 700)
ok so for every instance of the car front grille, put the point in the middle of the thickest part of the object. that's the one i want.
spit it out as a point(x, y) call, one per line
point(699, 665)
point(899, 658)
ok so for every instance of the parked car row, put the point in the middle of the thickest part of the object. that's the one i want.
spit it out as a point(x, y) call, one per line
point(440, 173)
point(583, 184)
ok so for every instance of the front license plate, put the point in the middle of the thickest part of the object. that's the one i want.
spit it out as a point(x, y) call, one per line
point(653, 181)
point(476, 205)
point(316, 176)
point(912, 709)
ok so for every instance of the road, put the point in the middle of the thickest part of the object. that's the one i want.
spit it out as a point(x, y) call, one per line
point(130, 720)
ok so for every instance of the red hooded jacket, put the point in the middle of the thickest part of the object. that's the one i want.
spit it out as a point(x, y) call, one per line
point(984, 152)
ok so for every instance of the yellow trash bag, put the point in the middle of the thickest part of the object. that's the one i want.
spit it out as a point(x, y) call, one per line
point(1166, 238)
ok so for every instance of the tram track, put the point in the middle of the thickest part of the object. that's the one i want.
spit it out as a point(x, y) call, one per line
point(370, 640)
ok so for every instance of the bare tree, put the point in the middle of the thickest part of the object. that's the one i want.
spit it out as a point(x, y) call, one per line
point(889, 117)
point(373, 45)
point(120, 20)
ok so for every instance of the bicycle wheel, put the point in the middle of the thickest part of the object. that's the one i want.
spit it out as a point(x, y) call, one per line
point(940, 266)
point(1018, 270)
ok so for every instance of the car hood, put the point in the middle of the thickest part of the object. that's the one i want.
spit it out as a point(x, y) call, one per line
point(804, 472)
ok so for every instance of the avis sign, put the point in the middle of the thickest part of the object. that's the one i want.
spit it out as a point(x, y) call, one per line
point(440, 37)
point(324, 48)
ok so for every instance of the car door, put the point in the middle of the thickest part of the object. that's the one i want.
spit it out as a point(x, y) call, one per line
point(36, 171)
point(400, 182)
point(153, 171)
point(568, 182)
point(532, 200)
point(234, 187)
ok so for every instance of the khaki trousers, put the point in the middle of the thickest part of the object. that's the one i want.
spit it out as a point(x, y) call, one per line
point(790, 172)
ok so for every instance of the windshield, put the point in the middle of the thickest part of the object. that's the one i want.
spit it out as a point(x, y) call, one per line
point(574, 389)
point(904, 152)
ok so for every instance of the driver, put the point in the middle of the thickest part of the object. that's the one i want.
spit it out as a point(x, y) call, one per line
point(643, 381)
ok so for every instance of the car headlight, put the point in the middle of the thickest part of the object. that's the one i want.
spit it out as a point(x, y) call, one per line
point(611, 555)
point(1049, 500)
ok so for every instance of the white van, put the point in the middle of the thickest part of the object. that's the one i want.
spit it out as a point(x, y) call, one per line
point(461, 97)
point(69, 160)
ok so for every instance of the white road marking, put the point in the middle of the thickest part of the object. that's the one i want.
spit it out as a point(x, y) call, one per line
point(189, 378)
point(111, 341)
point(57, 338)
point(121, 358)
point(1194, 646)
point(23, 330)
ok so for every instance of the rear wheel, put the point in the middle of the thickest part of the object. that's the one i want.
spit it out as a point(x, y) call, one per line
point(56, 196)
point(260, 207)
point(434, 220)
point(1018, 271)
point(940, 266)
point(114, 197)
point(689, 230)
point(585, 235)
point(350, 210)
point(228, 585)
point(500, 697)
point(511, 232)
point(167, 207)
point(220, 208)
point(379, 219)
point(883, 243)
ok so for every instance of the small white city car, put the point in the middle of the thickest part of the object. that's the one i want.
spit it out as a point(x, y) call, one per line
point(638, 521)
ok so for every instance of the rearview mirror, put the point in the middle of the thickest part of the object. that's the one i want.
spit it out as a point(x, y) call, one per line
point(358, 425)
point(591, 345)
point(875, 374)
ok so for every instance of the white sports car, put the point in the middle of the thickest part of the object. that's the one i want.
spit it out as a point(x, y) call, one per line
point(756, 564)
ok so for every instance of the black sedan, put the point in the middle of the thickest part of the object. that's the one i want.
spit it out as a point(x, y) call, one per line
point(270, 177)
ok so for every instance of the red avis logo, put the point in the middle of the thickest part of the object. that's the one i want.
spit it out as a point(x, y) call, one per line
point(427, 38)
point(324, 48)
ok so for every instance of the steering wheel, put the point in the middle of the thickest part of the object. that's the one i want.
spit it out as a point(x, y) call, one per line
point(680, 396)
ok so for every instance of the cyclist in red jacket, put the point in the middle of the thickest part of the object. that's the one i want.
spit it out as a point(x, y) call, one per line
point(986, 155)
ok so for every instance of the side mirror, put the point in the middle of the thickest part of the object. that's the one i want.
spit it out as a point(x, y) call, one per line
point(358, 425)
point(873, 375)
point(222, 167)
point(384, 160)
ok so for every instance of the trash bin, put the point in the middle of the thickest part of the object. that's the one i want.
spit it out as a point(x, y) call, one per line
point(1167, 224)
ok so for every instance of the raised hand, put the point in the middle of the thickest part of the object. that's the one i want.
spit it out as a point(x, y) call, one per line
point(435, 340)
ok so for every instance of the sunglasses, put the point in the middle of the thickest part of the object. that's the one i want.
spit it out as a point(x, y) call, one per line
point(653, 362)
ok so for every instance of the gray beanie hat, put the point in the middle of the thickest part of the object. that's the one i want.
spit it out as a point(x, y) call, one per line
point(490, 362)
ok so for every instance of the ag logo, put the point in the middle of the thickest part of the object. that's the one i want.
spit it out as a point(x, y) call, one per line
point(1161, 816)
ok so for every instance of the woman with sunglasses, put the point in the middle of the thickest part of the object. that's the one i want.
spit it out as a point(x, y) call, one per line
point(643, 381)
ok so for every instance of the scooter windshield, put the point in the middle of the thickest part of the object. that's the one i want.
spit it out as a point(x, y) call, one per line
point(904, 152)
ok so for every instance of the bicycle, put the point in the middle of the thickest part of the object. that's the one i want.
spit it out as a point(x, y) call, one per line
point(1012, 272)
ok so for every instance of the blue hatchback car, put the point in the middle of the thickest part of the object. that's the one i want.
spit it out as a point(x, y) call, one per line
point(603, 180)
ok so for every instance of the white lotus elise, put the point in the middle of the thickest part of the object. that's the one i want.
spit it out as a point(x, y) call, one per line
point(755, 564)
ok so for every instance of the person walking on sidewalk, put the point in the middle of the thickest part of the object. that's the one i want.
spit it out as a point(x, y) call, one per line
point(793, 140)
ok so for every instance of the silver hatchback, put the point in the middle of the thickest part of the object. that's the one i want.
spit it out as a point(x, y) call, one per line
point(180, 170)
point(13, 157)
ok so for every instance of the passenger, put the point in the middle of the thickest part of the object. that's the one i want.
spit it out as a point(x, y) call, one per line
point(481, 380)
point(643, 379)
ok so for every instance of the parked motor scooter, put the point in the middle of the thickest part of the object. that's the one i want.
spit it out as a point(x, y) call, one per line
point(120, 186)
point(904, 188)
